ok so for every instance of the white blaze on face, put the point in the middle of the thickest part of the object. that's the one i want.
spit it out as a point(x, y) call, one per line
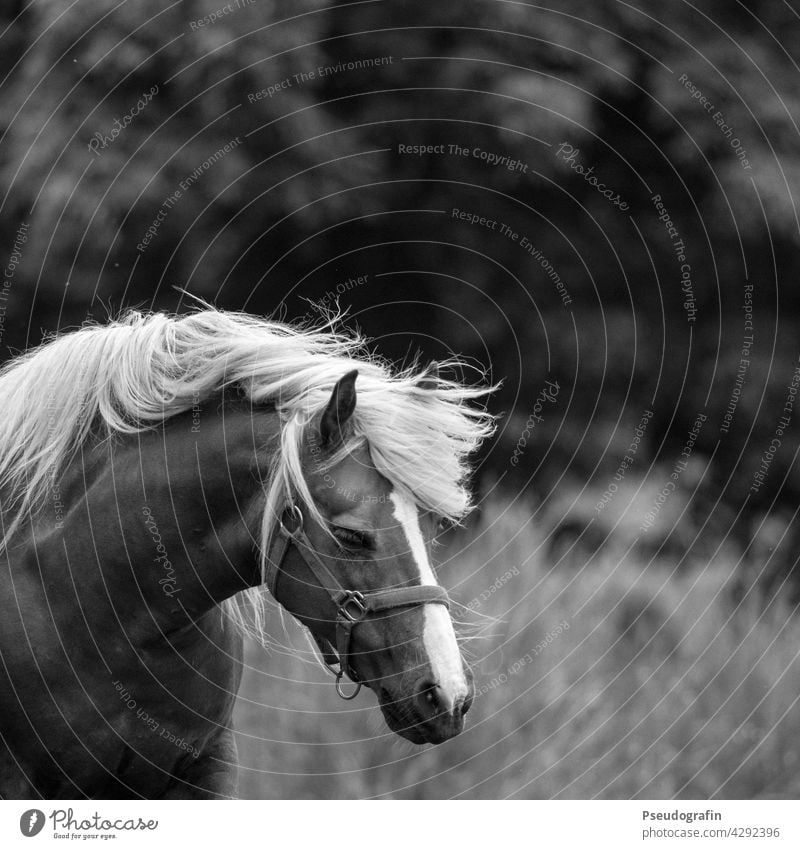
point(438, 636)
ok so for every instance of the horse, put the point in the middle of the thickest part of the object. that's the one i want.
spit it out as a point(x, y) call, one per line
point(160, 475)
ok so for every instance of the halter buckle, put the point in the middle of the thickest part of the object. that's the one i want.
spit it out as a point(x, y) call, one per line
point(352, 606)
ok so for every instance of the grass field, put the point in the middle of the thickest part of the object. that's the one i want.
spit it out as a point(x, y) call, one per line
point(605, 677)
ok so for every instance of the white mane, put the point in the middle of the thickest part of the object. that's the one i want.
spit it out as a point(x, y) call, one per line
point(142, 369)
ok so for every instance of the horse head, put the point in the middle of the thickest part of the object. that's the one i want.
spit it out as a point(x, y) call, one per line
point(355, 569)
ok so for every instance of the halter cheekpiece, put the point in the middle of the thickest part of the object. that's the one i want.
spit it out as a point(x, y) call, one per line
point(352, 606)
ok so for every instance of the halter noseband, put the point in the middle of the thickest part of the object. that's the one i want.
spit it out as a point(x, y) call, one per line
point(352, 606)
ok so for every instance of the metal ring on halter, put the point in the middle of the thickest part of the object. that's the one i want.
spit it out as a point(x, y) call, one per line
point(297, 515)
point(340, 691)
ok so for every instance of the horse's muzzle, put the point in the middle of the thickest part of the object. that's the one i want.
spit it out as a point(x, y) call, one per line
point(429, 714)
point(440, 717)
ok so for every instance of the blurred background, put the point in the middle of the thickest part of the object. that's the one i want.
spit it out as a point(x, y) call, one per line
point(593, 202)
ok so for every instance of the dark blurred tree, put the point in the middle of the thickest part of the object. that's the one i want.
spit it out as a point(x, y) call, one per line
point(315, 192)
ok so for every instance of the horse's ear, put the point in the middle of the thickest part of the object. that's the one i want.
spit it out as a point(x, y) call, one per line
point(430, 380)
point(339, 410)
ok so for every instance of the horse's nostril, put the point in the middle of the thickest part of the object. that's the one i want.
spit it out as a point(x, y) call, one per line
point(431, 699)
point(467, 703)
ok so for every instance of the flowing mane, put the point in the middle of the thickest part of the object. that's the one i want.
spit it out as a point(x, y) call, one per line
point(140, 370)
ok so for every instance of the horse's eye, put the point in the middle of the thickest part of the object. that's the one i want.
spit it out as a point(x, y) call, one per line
point(352, 539)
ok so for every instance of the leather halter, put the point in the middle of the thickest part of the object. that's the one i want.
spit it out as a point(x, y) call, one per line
point(352, 606)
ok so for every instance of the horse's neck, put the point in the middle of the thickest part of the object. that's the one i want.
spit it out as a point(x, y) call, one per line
point(172, 516)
